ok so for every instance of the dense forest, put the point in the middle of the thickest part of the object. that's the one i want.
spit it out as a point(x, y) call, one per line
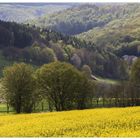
point(75, 67)
point(22, 12)
point(81, 18)
point(63, 87)
point(110, 26)
point(31, 44)
point(62, 57)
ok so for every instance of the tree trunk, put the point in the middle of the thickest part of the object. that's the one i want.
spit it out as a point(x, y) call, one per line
point(103, 101)
point(110, 102)
point(50, 106)
point(7, 108)
point(97, 102)
point(18, 110)
point(57, 106)
point(34, 107)
point(42, 106)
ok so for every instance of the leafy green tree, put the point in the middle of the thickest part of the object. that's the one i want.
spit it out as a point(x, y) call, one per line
point(5, 36)
point(61, 83)
point(19, 84)
point(86, 91)
point(58, 50)
point(87, 70)
point(135, 72)
point(76, 60)
point(47, 55)
point(135, 81)
point(35, 53)
point(69, 49)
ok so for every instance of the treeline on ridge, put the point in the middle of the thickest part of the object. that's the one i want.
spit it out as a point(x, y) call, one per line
point(30, 44)
point(84, 17)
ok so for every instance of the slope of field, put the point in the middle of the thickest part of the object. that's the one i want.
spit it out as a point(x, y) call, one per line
point(115, 122)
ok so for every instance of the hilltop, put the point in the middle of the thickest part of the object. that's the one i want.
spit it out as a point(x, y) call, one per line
point(22, 12)
point(84, 17)
point(114, 27)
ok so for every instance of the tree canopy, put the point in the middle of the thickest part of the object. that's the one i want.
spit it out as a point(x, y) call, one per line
point(19, 85)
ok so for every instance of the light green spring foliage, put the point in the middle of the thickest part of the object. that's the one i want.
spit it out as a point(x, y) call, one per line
point(84, 17)
point(62, 83)
point(126, 24)
point(19, 85)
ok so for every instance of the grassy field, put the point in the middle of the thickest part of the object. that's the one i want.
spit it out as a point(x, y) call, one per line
point(38, 107)
point(3, 108)
point(107, 81)
point(115, 122)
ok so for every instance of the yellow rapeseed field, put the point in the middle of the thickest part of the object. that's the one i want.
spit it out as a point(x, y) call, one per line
point(115, 122)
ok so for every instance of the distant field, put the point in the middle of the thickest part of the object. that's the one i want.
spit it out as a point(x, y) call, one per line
point(108, 81)
point(115, 122)
point(3, 108)
point(38, 108)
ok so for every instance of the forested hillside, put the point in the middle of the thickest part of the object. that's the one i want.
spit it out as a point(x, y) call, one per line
point(84, 17)
point(61, 57)
point(111, 26)
point(22, 12)
point(121, 34)
point(30, 44)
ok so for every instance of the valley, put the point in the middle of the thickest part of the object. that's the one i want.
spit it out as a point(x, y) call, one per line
point(69, 70)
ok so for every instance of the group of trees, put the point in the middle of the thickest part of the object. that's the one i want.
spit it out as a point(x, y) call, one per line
point(102, 50)
point(14, 35)
point(62, 85)
point(64, 88)
point(30, 44)
point(123, 94)
point(129, 48)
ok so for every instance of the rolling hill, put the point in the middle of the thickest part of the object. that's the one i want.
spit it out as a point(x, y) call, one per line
point(117, 32)
point(30, 44)
point(103, 36)
point(114, 27)
point(21, 12)
point(109, 26)
point(84, 17)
